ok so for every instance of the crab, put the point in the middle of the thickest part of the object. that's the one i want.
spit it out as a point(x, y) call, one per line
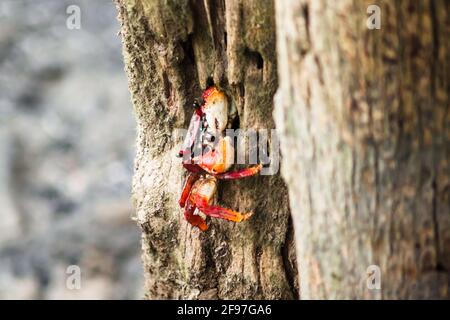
point(210, 119)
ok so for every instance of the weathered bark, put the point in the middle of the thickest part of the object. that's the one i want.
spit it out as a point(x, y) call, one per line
point(173, 50)
point(364, 122)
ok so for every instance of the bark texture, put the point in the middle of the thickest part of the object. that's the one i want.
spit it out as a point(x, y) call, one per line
point(173, 50)
point(364, 119)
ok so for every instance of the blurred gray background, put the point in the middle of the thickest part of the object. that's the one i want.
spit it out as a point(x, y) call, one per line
point(66, 154)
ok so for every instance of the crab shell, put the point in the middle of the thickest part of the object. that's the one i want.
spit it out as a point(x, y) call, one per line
point(223, 158)
point(204, 188)
point(218, 160)
point(215, 109)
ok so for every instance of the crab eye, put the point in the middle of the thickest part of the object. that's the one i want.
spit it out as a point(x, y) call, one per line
point(196, 105)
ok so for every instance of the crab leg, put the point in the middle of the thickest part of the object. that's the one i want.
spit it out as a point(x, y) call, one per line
point(192, 167)
point(247, 172)
point(193, 130)
point(220, 212)
point(225, 213)
point(187, 188)
point(194, 219)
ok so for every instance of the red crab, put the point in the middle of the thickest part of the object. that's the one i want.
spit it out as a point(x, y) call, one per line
point(205, 131)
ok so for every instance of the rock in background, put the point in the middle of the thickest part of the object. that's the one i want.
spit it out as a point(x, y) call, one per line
point(66, 151)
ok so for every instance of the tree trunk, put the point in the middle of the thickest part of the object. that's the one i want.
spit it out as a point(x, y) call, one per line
point(173, 50)
point(364, 122)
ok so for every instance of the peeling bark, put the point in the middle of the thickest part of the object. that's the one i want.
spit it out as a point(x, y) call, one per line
point(172, 51)
point(364, 122)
